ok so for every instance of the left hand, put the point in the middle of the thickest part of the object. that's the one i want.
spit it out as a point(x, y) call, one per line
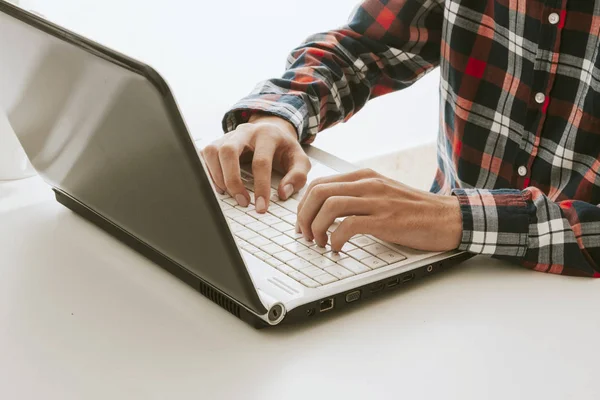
point(379, 206)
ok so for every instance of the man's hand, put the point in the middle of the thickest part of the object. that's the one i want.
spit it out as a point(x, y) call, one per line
point(382, 207)
point(274, 144)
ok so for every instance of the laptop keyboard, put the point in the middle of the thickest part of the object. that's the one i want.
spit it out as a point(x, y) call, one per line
point(272, 238)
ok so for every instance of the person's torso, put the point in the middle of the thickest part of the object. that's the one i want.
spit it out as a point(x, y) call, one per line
point(520, 97)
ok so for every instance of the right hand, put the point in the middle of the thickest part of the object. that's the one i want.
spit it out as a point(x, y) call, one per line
point(274, 144)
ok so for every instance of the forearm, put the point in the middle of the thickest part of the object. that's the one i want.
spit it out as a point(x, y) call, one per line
point(332, 75)
point(528, 228)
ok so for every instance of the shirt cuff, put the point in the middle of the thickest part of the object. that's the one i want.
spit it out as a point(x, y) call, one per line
point(289, 107)
point(495, 222)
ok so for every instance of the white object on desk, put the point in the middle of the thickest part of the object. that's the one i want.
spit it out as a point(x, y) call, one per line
point(14, 163)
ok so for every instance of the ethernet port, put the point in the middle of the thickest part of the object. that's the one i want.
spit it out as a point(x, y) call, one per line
point(326, 305)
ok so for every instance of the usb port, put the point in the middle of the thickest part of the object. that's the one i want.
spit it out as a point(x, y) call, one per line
point(393, 282)
point(378, 287)
point(408, 278)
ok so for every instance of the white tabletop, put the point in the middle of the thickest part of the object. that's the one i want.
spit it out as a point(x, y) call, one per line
point(84, 317)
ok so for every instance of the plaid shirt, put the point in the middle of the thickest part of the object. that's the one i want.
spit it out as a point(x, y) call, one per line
point(519, 140)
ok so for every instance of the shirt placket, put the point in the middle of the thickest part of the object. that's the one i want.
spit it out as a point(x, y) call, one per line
point(551, 25)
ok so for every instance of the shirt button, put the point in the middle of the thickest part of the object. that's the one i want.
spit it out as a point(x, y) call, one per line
point(522, 170)
point(540, 98)
point(553, 18)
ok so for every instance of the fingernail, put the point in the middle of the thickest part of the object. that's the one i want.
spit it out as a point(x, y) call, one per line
point(288, 190)
point(260, 204)
point(241, 200)
point(219, 190)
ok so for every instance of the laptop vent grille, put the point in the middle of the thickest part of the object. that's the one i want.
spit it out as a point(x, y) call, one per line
point(219, 299)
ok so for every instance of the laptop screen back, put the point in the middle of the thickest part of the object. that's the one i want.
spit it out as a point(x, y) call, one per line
point(102, 133)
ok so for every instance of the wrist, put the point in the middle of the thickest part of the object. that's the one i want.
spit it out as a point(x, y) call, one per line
point(453, 221)
point(282, 123)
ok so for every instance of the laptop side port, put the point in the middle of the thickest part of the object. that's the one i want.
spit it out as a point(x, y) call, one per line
point(377, 287)
point(353, 296)
point(393, 282)
point(326, 305)
point(408, 278)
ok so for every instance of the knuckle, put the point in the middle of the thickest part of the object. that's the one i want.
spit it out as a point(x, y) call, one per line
point(227, 151)
point(261, 163)
point(210, 150)
point(332, 203)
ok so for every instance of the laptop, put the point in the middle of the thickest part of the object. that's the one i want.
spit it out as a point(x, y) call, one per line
point(105, 132)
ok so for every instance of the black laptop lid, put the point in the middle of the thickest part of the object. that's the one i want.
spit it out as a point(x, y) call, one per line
point(105, 130)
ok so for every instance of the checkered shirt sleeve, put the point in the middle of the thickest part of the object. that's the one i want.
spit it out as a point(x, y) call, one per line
point(385, 47)
point(528, 228)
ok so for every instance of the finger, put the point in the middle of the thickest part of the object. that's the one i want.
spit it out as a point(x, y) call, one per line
point(336, 207)
point(319, 194)
point(298, 167)
point(210, 154)
point(229, 158)
point(349, 227)
point(262, 166)
point(348, 177)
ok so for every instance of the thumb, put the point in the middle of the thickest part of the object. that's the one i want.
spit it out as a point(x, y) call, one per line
point(296, 175)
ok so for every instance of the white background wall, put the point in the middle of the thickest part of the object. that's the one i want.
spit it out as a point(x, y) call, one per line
point(212, 52)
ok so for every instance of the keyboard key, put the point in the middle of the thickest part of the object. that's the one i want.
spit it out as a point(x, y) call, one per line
point(244, 219)
point(273, 262)
point(322, 262)
point(359, 254)
point(231, 201)
point(279, 212)
point(233, 213)
point(285, 269)
point(293, 234)
point(251, 249)
point(339, 272)
point(361, 241)
point(246, 234)
point(299, 264)
point(289, 204)
point(309, 254)
point(295, 247)
point(222, 196)
point(321, 250)
point(259, 241)
point(299, 276)
point(271, 248)
point(353, 265)
point(257, 226)
point(255, 214)
point(290, 219)
point(235, 227)
point(270, 233)
point(282, 226)
point(376, 248)
point(262, 255)
point(334, 226)
point(245, 209)
point(269, 220)
point(284, 256)
point(310, 283)
point(305, 242)
point(348, 247)
point(225, 206)
point(374, 262)
point(391, 257)
point(325, 279)
point(282, 240)
point(311, 272)
point(333, 256)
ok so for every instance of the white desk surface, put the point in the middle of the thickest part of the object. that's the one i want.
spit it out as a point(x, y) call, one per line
point(84, 317)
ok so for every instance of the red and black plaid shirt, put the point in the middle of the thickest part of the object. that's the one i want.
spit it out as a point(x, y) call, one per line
point(519, 140)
